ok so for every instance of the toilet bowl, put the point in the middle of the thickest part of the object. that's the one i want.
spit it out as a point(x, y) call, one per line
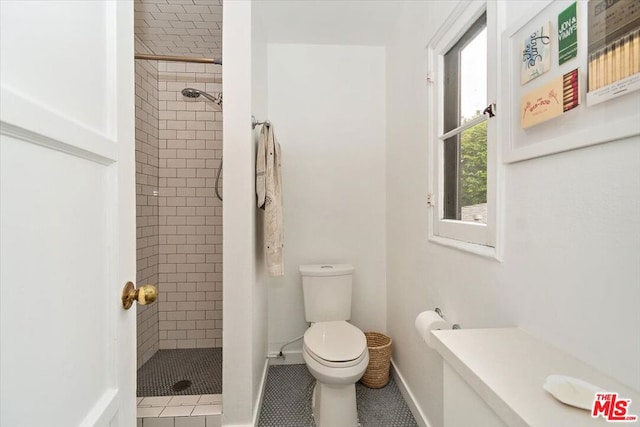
point(336, 354)
point(334, 350)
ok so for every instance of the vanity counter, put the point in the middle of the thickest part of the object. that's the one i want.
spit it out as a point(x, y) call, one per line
point(507, 367)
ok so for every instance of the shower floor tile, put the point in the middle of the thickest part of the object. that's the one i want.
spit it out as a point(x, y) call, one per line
point(287, 401)
point(201, 366)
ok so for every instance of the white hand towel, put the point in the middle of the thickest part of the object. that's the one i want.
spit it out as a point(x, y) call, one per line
point(261, 169)
point(269, 193)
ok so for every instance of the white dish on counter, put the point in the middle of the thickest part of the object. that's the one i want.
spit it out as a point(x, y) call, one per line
point(572, 391)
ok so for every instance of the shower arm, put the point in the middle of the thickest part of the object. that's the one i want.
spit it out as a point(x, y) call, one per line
point(210, 97)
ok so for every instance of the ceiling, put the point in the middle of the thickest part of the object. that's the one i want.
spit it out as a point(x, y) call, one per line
point(194, 27)
point(180, 27)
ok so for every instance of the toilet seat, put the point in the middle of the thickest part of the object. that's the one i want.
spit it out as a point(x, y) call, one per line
point(329, 364)
point(335, 344)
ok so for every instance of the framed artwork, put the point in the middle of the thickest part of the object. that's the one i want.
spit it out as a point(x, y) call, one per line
point(567, 34)
point(614, 49)
point(546, 112)
point(536, 52)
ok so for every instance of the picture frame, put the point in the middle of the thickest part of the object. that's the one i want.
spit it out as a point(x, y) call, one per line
point(581, 126)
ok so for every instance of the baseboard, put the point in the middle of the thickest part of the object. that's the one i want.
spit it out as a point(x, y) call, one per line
point(263, 383)
point(293, 357)
point(419, 416)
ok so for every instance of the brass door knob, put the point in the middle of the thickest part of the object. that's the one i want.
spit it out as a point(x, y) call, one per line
point(145, 294)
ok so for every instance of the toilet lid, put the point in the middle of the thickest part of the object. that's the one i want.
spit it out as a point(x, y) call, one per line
point(335, 341)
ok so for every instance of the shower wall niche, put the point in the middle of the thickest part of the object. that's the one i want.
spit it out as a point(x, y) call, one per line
point(179, 149)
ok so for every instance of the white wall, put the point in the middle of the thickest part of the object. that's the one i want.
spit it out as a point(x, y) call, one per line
point(244, 342)
point(571, 270)
point(327, 106)
point(411, 261)
point(259, 109)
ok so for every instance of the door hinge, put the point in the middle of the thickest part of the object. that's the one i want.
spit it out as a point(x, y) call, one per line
point(430, 199)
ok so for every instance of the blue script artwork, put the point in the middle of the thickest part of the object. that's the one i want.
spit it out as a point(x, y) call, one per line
point(536, 53)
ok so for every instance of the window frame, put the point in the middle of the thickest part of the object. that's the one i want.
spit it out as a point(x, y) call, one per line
point(481, 239)
point(453, 129)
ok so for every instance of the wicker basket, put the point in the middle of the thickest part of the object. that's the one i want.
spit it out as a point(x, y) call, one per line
point(377, 373)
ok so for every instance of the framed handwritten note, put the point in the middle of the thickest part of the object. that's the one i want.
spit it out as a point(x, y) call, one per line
point(536, 53)
point(541, 108)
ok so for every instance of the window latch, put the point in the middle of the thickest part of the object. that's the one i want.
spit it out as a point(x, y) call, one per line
point(490, 110)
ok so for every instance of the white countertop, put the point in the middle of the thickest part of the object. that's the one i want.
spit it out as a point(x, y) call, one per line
point(507, 368)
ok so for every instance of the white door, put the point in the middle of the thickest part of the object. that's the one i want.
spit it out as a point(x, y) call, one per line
point(67, 213)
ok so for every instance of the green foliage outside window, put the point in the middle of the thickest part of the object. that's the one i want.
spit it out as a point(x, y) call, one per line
point(473, 163)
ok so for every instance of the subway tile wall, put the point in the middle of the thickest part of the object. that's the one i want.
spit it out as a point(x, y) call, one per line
point(146, 96)
point(189, 214)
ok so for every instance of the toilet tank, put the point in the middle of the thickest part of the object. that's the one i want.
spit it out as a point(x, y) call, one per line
point(327, 291)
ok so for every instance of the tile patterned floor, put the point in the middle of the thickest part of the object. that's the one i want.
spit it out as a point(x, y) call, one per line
point(287, 401)
point(179, 406)
point(201, 366)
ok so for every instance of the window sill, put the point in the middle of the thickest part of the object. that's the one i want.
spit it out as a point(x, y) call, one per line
point(473, 248)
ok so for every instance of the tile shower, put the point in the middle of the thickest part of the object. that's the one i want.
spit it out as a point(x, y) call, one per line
point(147, 202)
point(179, 217)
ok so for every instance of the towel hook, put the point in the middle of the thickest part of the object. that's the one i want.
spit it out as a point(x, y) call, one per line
point(255, 122)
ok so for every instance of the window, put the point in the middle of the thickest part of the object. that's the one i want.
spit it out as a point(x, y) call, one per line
point(465, 145)
point(463, 58)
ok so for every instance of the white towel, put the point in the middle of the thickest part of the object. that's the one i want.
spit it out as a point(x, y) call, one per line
point(269, 193)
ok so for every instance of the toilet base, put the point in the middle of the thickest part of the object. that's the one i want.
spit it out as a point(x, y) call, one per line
point(335, 405)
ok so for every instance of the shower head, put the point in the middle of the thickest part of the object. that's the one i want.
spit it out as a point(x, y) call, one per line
point(195, 93)
point(191, 93)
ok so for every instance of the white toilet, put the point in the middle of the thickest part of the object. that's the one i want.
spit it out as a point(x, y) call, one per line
point(335, 351)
